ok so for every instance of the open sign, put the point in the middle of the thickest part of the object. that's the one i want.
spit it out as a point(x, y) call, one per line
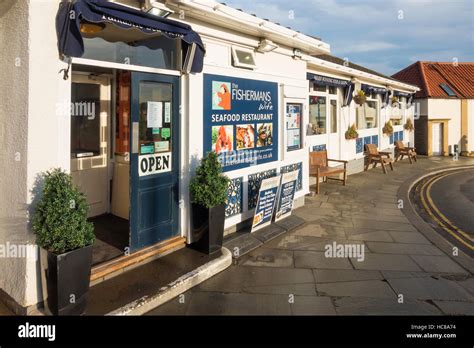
point(154, 164)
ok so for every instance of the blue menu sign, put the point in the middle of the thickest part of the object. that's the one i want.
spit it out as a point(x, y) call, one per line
point(287, 194)
point(240, 120)
point(266, 203)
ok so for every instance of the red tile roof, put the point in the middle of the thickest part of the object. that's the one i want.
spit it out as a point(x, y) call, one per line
point(429, 75)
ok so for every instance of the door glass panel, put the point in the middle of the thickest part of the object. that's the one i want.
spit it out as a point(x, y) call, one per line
point(333, 116)
point(85, 120)
point(155, 101)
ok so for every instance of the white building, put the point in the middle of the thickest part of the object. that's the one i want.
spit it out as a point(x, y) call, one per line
point(145, 107)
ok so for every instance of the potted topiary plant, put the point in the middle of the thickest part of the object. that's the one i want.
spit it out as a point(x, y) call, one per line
point(65, 238)
point(360, 97)
point(208, 190)
point(388, 128)
point(409, 125)
point(351, 132)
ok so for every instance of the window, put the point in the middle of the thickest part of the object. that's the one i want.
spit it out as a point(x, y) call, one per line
point(293, 126)
point(318, 88)
point(317, 115)
point(448, 90)
point(397, 111)
point(85, 120)
point(367, 115)
point(333, 113)
point(243, 58)
point(332, 90)
point(164, 56)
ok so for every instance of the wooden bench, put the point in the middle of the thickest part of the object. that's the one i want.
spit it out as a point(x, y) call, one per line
point(375, 156)
point(402, 150)
point(319, 168)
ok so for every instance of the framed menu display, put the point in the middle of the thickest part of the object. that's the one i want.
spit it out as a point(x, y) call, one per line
point(293, 126)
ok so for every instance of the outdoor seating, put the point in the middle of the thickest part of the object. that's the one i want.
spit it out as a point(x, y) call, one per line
point(319, 168)
point(375, 156)
point(401, 150)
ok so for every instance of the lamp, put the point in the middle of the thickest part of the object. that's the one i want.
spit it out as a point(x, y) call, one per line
point(91, 28)
point(266, 46)
point(156, 8)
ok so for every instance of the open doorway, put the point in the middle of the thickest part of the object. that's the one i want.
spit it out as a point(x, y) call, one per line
point(99, 161)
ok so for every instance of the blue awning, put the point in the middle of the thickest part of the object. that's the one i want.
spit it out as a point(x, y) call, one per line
point(70, 15)
point(401, 94)
point(368, 89)
point(321, 80)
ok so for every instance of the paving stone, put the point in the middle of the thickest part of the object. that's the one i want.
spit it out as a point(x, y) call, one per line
point(438, 264)
point(214, 303)
point(244, 243)
point(467, 284)
point(365, 288)
point(398, 248)
point(344, 275)
point(322, 231)
point(237, 279)
point(312, 305)
point(310, 214)
point(409, 237)
point(293, 242)
point(384, 262)
point(375, 217)
point(284, 289)
point(290, 223)
point(428, 288)
point(176, 306)
point(268, 233)
point(383, 306)
point(383, 225)
point(378, 236)
point(268, 258)
point(456, 308)
point(401, 274)
point(4, 311)
point(316, 259)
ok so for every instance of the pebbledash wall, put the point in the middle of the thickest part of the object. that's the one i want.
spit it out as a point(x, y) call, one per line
point(35, 138)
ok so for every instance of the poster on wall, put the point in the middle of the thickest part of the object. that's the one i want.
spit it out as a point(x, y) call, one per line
point(293, 126)
point(240, 120)
point(287, 194)
point(267, 196)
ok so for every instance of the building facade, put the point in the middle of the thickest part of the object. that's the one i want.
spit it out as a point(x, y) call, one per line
point(446, 107)
point(129, 102)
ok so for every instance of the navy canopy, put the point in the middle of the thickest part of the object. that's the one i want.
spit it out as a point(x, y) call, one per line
point(372, 89)
point(321, 80)
point(348, 90)
point(70, 15)
point(401, 94)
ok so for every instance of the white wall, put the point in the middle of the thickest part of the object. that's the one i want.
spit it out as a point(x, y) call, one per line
point(448, 109)
point(470, 125)
point(14, 68)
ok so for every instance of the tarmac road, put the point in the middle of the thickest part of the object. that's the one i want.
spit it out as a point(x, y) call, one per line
point(448, 198)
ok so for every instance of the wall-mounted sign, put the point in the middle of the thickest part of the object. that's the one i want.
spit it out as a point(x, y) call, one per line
point(267, 196)
point(240, 120)
point(287, 193)
point(154, 164)
point(293, 126)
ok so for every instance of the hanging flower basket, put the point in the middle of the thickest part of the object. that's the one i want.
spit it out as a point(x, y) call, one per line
point(394, 101)
point(360, 98)
point(387, 128)
point(351, 132)
point(409, 125)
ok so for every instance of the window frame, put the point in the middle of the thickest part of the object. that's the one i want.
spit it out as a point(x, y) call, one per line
point(377, 116)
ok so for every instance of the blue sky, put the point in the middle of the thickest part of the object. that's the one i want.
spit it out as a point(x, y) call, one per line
point(384, 35)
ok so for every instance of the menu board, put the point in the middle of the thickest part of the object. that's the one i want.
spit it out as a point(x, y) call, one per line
point(287, 194)
point(293, 126)
point(266, 203)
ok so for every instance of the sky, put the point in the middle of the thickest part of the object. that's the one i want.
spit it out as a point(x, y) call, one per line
point(383, 35)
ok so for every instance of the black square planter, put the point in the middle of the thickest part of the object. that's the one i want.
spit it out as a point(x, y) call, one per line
point(208, 228)
point(65, 280)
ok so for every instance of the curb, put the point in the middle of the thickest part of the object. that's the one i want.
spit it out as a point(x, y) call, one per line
point(180, 285)
point(423, 227)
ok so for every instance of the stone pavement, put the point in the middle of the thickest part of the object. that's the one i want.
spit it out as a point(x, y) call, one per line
point(292, 275)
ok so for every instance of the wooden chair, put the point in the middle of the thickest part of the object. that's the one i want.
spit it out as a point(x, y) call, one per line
point(402, 150)
point(319, 168)
point(375, 156)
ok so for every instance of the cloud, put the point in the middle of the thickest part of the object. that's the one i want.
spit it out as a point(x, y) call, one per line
point(387, 34)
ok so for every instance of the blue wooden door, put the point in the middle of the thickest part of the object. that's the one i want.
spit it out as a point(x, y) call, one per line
point(154, 159)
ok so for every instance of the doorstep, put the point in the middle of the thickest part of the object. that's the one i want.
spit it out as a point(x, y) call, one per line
point(243, 242)
point(144, 288)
